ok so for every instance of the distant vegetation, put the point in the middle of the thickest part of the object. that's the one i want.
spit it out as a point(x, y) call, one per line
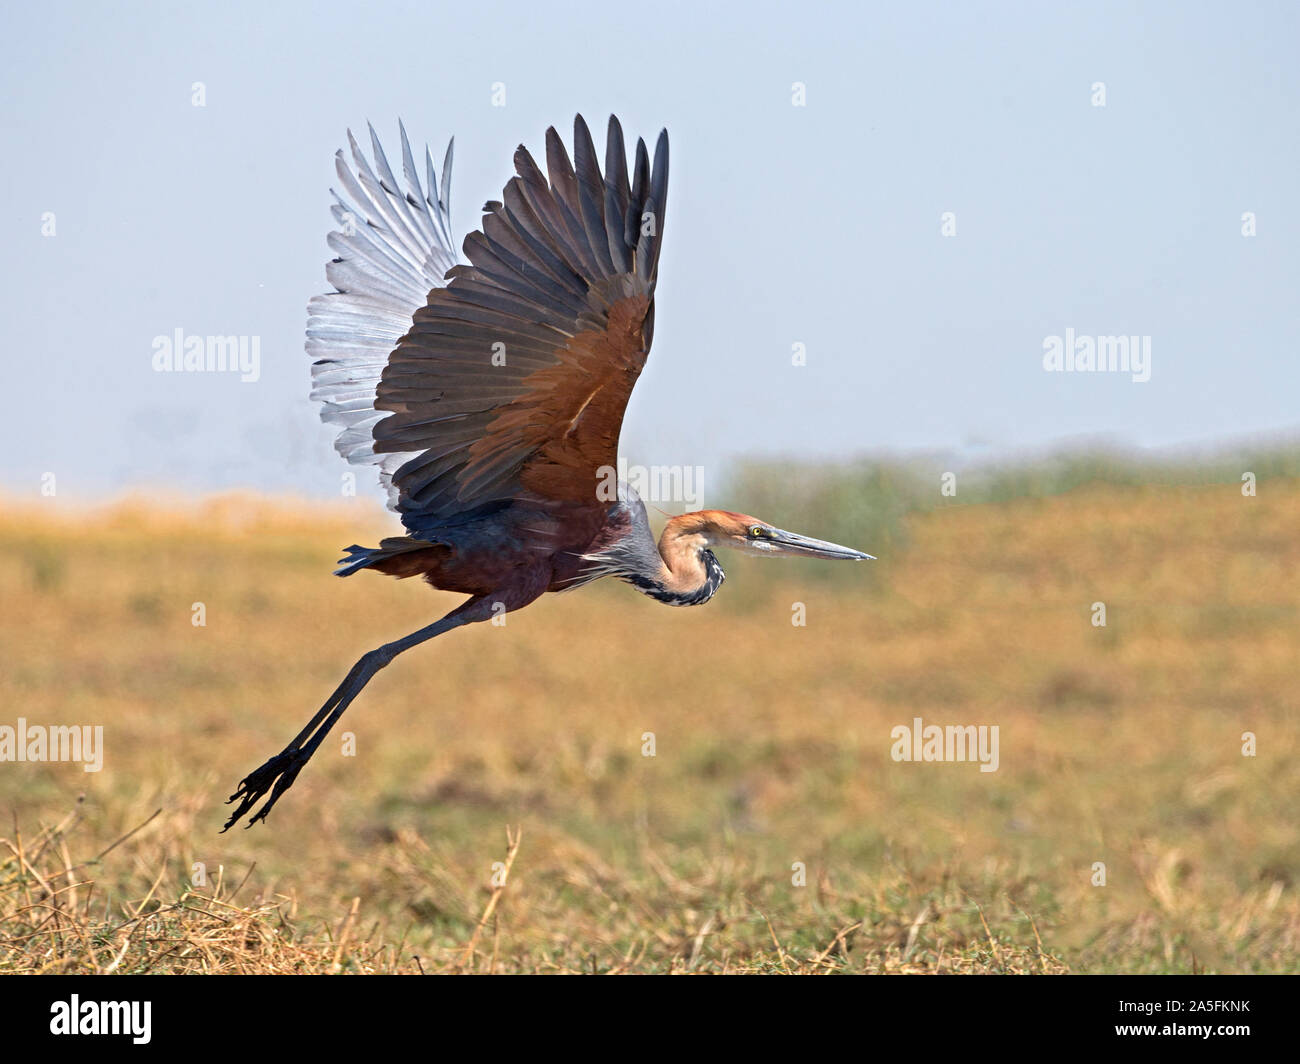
point(864, 503)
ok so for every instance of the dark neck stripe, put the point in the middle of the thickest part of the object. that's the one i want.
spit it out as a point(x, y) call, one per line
point(713, 577)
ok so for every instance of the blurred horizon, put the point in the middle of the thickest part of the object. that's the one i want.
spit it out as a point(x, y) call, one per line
point(1025, 472)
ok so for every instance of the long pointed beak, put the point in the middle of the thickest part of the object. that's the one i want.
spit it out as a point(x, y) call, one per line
point(793, 543)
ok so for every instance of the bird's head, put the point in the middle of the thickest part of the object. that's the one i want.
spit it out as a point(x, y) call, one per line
point(706, 529)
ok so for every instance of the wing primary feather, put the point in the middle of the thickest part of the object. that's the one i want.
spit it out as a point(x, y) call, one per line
point(565, 187)
point(445, 201)
point(591, 194)
point(537, 194)
point(414, 193)
point(640, 181)
point(369, 192)
point(659, 195)
point(617, 195)
point(412, 230)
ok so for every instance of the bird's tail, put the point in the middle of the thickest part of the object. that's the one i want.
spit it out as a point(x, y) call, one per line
point(396, 556)
point(357, 557)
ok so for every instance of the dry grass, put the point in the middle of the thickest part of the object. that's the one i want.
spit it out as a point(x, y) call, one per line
point(1120, 745)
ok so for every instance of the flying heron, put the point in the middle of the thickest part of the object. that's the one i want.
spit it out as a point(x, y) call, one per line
point(490, 393)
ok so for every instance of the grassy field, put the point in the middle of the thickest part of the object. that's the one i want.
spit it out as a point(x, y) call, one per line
point(1119, 744)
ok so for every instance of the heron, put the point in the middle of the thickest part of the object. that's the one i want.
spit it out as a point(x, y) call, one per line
point(489, 392)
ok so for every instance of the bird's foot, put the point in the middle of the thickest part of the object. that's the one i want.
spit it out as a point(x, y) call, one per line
point(276, 776)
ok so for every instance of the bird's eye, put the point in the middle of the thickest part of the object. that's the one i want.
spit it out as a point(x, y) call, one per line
point(757, 531)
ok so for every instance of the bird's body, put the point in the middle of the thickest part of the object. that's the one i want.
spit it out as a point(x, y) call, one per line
point(557, 547)
point(490, 394)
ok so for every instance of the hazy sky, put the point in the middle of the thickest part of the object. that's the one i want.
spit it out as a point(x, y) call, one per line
point(819, 225)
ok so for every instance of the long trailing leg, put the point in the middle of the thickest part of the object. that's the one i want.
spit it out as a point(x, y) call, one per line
point(278, 774)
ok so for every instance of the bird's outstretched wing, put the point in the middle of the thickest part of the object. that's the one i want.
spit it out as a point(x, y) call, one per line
point(511, 381)
point(393, 248)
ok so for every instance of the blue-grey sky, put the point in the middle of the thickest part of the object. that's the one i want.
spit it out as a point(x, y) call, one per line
point(819, 225)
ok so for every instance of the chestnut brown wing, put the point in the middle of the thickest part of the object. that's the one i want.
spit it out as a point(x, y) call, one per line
point(513, 379)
